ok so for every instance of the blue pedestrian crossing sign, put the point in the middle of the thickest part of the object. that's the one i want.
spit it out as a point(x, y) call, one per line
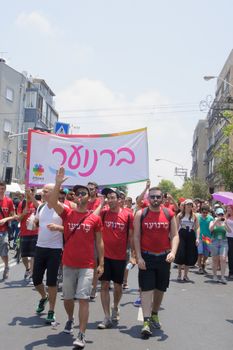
point(61, 128)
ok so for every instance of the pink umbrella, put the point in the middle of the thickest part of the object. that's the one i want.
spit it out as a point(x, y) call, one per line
point(224, 197)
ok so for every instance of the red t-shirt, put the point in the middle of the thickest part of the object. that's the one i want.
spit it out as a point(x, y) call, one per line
point(23, 223)
point(93, 205)
point(155, 232)
point(169, 206)
point(7, 207)
point(115, 234)
point(79, 247)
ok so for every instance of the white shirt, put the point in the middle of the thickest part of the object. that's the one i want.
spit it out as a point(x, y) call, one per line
point(187, 222)
point(46, 237)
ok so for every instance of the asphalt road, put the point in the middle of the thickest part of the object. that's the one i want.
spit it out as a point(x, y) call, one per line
point(196, 315)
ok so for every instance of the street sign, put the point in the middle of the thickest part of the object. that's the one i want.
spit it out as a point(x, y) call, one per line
point(61, 128)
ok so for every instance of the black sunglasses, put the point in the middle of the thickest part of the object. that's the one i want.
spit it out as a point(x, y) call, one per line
point(154, 196)
point(81, 193)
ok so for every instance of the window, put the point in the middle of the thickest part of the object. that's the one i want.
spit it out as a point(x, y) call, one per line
point(31, 97)
point(7, 126)
point(9, 94)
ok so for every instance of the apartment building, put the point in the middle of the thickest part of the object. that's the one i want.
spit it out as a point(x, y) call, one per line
point(25, 102)
point(199, 150)
point(215, 122)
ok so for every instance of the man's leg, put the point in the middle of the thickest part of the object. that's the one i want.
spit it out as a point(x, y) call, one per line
point(117, 294)
point(83, 314)
point(69, 307)
point(105, 297)
point(147, 299)
point(157, 300)
point(52, 292)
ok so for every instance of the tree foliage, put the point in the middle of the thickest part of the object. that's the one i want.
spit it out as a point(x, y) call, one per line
point(195, 188)
point(225, 166)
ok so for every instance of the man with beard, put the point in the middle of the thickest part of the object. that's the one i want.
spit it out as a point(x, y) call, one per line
point(156, 240)
point(81, 231)
point(117, 231)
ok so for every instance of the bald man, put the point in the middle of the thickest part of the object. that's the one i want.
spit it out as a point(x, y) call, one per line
point(48, 253)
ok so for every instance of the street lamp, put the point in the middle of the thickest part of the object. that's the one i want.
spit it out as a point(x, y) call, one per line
point(210, 77)
point(169, 161)
point(181, 171)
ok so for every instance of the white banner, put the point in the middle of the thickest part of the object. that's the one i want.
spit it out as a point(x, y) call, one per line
point(108, 159)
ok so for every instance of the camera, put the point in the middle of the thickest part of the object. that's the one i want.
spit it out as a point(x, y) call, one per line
point(222, 219)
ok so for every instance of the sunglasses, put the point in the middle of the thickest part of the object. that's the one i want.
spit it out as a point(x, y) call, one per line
point(81, 193)
point(154, 196)
point(204, 212)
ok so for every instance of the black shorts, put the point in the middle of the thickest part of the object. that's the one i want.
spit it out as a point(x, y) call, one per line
point(46, 259)
point(28, 246)
point(113, 270)
point(156, 275)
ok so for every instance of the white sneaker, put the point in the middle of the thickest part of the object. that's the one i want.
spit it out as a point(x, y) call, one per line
point(115, 314)
point(223, 280)
point(80, 341)
point(215, 278)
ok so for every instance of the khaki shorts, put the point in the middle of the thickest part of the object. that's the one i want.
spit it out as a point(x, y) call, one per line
point(4, 244)
point(77, 283)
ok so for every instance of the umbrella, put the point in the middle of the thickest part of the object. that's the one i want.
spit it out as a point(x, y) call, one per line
point(224, 197)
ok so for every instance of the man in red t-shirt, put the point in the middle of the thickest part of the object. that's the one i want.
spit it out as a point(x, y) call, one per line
point(117, 231)
point(156, 240)
point(82, 230)
point(7, 214)
point(28, 235)
point(94, 201)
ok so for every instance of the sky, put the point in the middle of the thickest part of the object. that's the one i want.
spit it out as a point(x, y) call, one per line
point(118, 65)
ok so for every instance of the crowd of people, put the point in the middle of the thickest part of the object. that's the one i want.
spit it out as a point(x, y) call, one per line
point(97, 236)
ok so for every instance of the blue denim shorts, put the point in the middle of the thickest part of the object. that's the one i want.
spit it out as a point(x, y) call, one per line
point(219, 247)
point(204, 248)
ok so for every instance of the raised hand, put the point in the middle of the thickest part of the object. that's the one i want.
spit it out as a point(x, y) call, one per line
point(60, 176)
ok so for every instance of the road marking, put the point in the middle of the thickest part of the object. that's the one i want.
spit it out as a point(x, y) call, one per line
point(140, 315)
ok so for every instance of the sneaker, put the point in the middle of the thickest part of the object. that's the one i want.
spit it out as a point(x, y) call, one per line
point(30, 281)
point(125, 286)
point(186, 279)
point(50, 317)
point(138, 302)
point(41, 305)
point(107, 323)
point(154, 321)
point(200, 271)
point(80, 341)
point(146, 332)
point(223, 280)
point(215, 278)
point(6, 273)
point(69, 327)
point(115, 314)
point(27, 274)
point(230, 277)
point(93, 294)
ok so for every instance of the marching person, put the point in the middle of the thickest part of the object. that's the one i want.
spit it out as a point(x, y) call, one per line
point(28, 235)
point(81, 231)
point(117, 232)
point(7, 214)
point(48, 253)
point(156, 240)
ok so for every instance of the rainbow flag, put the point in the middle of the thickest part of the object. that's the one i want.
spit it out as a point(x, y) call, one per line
point(206, 239)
